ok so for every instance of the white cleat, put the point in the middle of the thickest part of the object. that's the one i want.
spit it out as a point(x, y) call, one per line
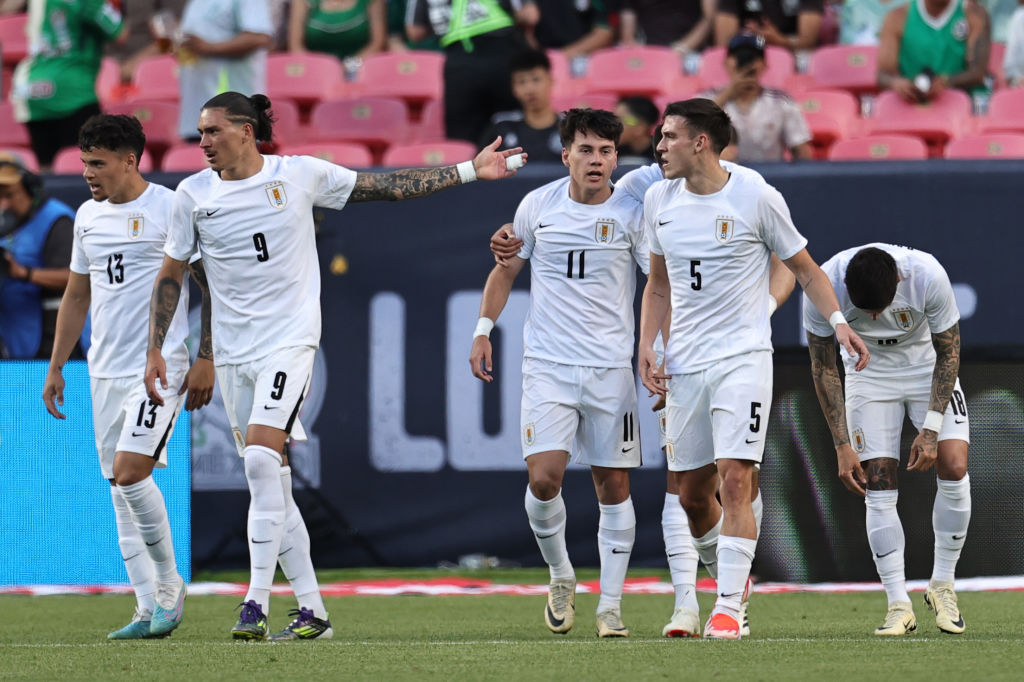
point(899, 620)
point(609, 624)
point(941, 599)
point(685, 623)
point(744, 617)
point(560, 611)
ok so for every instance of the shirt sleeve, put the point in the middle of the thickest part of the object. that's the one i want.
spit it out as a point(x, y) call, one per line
point(940, 302)
point(330, 184)
point(794, 126)
point(58, 247)
point(104, 16)
point(524, 225)
point(254, 17)
point(79, 261)
point(641, 248)
point(181, 235)
point(650, 221)
point(777, 228)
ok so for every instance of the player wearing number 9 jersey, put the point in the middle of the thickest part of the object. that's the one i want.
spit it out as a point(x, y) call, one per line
point(252, 217)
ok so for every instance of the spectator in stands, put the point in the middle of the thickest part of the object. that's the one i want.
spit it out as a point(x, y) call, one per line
point(477, 45)
point(576, 28)
point(54, 88)
point(534, 126)
point(860, 21)
point(12, 6)
point(149, 29)
point(768, 122)
point(684, 25)
point(344, 28)
point(224, 48)
point(398, 39)
point(1013, 60)
point(35, 239)
point(785, 23)
point(639, 116)
point(931, 45)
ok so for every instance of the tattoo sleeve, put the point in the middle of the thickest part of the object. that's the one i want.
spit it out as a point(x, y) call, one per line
point(828, 385)
point(947, 367)
point(206, 333)
point(161, 310)
point(403, 184)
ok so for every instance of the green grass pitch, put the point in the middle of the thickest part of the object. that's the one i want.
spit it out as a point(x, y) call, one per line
point(795, 637)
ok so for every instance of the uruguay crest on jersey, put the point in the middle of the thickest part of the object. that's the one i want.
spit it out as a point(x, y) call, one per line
point(723, 229)
point(858, 440)
point(275, 192)
point(604, 230)
point(136, 223)
point(529, 434)
point(904, 318)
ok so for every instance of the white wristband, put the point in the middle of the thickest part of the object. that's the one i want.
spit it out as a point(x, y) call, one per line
point(773, 305)
point(483, 327)
point(837, 318)
point(467, 172)
point(933, 421)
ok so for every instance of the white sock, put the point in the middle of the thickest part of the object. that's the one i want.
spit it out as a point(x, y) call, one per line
point(758, 506)
point(707, 547)
point(141, 572)
point(149, 513)
point(951, 515)
point(616, 531)
point(682, 555)
point(735, 555)
point(266, 521)
point(887, 542)
point(547, 519)
point(293, 555)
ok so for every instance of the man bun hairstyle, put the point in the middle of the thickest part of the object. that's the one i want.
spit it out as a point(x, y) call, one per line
point(604, 124)
point(871, 279)
point(253, 110)
point(704, 116)
point(114, 132)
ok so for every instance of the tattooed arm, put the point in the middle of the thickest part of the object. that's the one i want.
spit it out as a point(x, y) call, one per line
point(198, 271)
point(979, 45)
point(166, 292)
point(200, 377)
point(924, 449)
point(829, 388)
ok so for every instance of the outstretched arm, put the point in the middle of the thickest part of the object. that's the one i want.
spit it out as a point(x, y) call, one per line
point(166, 292)
point(924, 449)
point(200, 377)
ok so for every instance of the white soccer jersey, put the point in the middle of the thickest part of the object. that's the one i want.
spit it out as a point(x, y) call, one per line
point(717, 250)
point(583, 261)
point(635, 182)
point(259, 250)
point(900, 339)
point(121, 248)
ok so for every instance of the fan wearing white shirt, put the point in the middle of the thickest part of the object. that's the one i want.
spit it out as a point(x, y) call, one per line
point(711, 234)
point(252, 217)
point(117, 251)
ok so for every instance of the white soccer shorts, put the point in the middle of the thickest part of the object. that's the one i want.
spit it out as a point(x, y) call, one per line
point(268, 391)
point(593, 407)
point(719, 413)
point(125, 419)
point(875, 409)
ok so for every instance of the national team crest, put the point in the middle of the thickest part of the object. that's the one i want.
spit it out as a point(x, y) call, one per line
point(670, 451)
point(604, 231)
point(723, 229)
point(858, 440)
point(136, 224)
point(275, 192)
point(904, 318)
point(662, 422)
point(529, 434)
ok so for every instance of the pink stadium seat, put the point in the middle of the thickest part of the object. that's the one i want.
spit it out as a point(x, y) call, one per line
point(847, 67)
point(13, 41)
point(108, 82)
point(991, 146)
point(431, 125)
point(879, 148)
point(592, 100)
point(156, 78)
point(995, 63)
point(12, 133)
point(1005, 112)
point(413, 76)
point(439, 153)
point(306, 78)
point(831, 115)
point(26, 155)
point(5, 82)
point(69, 162)
point(159, 120)
point(288, 127)
point(947, 116)
point(375, 121)
point(347, 154)
point(779, 67)
point(561, 73)
point(649, 71)
point(184, 158)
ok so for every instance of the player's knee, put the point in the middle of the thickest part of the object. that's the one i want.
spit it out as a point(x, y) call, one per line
point(544, 485)
point(735, 490)
point(952, 471)
point(697, 507)
point(128, 472)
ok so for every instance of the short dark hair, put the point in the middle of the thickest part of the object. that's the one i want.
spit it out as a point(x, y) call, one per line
point(641, 107)
point(871, 279)
point(604, 124)
point(703, 116)
point(253, 110)
point(527, 60)
point(114, 132)
point(655, 141)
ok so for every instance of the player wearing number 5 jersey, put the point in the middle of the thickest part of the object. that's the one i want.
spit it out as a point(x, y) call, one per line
point(902, 303)
point(711, 232)
point(252, 217)
point(117, 251)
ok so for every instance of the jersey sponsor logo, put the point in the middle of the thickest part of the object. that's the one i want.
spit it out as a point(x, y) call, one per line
point(275, 193)
point(136, 224)
point(604, 230)
point(724, 226)
point(529, 434)
point(858, 440)
point(904, 318)
point(960, 29)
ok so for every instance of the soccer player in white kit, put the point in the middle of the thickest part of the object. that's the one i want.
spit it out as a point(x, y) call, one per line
point(116, 254)
point(711, 234)
point(901, 302)
point(583, 242)
point(252, 217)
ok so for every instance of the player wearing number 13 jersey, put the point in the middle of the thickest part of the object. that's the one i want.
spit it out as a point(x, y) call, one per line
point(252, 217)
point(711, 231)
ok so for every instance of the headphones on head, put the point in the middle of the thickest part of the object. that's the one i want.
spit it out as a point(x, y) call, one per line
point(32, 183)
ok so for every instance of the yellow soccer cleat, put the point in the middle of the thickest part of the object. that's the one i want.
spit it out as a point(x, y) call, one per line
point(941, 599)
point(899, 620)
point(609, 624)
point(560, 611)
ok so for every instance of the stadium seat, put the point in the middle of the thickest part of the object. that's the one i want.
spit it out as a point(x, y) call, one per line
point(831, 115)
point(288, 128)
point(159, 121)
point(991, 146)
point(1005, 113)
point(374, 121)
point(306, 78)
point(12, 133)
point(440, 153)
point(184, 157)
point(591, 100)
point(413, 76)
point(6, 75)
point(349, 154)
point(561, 73)
point(779, 67)
point(13, 40)
point(156, 78)
point(431, 126)
point(26, 155)
point(879, 148)
point(945, 117)
point(109, 88)
point(846, 67)
point(69, 162)
point(995, 64)
point(649, 71)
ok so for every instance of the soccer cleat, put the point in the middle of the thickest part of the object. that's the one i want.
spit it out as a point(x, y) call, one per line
point(252, 623)
point(899, 620)
point(941, 599)
point(304, 626)
point(137, 628)
point(744, 616)
point(170, 607)
point(609, 624)
point(560, 611)
point(722, 626)
point(685, 623)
